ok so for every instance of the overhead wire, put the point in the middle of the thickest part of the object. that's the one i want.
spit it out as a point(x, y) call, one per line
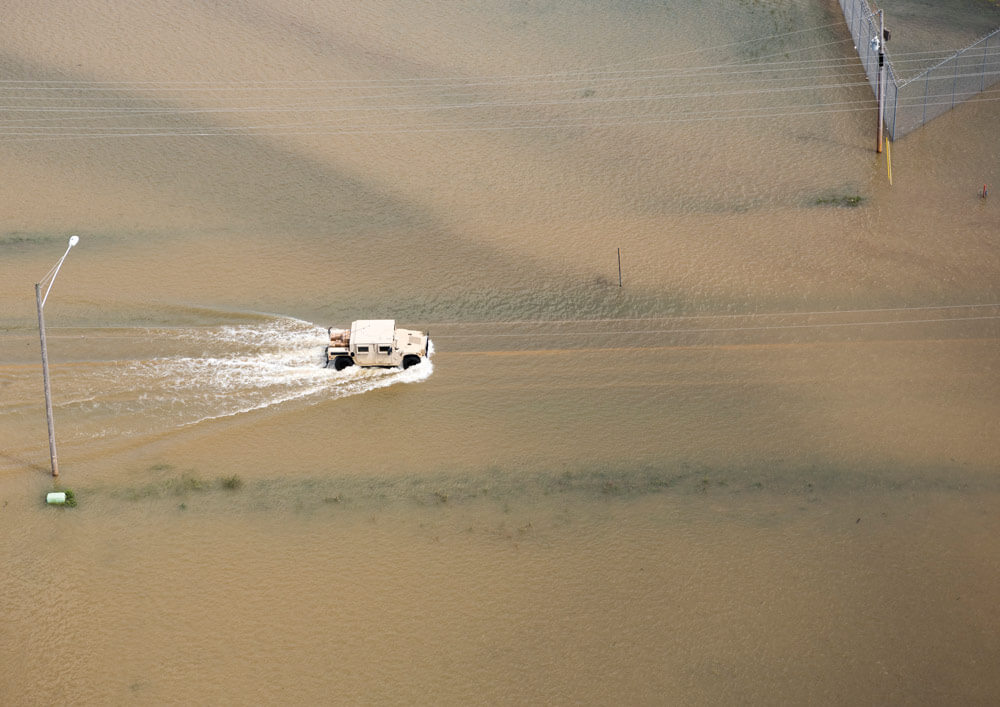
point(719, 330)
point(417, 107)
point(724, 69)
point(714, 71)
point(767, 111)
point(592, 123)
point(797, 108)
point(732, 315)
point(572, 72)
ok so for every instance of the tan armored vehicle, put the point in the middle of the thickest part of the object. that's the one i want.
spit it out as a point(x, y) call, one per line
point(375, 342)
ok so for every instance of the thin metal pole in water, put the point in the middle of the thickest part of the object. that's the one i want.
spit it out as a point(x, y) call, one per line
point(45, 378)
point(619, 267)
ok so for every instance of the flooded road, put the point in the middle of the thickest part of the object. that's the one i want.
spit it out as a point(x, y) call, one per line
point(764, 468)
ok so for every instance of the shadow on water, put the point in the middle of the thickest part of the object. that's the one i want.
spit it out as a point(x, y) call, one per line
point(350, 223)
point(352, 219)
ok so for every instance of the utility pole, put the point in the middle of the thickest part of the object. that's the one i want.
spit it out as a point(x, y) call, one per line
point(882, 37)
point(45, 378)
point(49, 278)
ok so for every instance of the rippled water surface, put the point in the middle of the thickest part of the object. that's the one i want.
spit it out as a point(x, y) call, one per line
point(758, 463)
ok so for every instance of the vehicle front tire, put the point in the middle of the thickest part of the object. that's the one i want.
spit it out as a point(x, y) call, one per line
point(410, 360)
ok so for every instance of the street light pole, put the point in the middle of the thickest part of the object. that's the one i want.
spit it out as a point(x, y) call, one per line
point(40, 302)
point(45, 377)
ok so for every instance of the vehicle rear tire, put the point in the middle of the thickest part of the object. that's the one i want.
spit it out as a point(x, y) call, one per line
point(410, 360)
point(342, 362)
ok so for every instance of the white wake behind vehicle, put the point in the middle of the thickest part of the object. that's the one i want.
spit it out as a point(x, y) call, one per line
point(376, 342)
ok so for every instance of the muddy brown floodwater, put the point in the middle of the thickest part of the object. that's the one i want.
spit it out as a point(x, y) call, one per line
point(765, 469)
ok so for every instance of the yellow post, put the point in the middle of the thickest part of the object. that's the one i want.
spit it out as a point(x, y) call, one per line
point(888, 159)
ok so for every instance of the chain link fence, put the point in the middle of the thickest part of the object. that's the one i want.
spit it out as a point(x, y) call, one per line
point(911, 103)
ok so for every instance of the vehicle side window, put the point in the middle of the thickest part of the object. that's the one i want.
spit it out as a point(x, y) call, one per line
point(362, 349)
point(385, 349)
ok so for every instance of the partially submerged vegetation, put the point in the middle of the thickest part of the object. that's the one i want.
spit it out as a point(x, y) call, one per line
point(174, 484)
point(509, 487)
point(848, 200)
point(231, 482)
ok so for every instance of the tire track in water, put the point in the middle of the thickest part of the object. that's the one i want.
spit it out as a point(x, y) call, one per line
point(204, 373)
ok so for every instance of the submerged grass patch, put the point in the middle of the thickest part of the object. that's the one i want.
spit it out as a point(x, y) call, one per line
point(847, 200)
point(180, 485)
point(231, 482)
point(507, 488)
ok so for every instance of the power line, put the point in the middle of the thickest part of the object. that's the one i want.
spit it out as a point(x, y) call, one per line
point(728, 315)
point(583, 76)
point(554, 120)
point(716, 330)
point(31, 134)
point(465, 78)
point(485, 104)
point(312, 108)
point(554, 91)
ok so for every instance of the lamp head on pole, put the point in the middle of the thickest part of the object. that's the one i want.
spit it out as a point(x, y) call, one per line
point(50, 277)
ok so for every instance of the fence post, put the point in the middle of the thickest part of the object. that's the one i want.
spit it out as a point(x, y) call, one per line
point(954, 84)
point(860, 41)
point(926, 86)
point(857, 36)
point(895, 107)
point(982, 71)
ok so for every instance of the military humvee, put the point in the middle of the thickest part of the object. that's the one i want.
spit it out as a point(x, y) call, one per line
point(375, 342)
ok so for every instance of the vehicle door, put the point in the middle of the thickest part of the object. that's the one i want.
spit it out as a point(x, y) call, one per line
point(383, 355)
point(365, 355)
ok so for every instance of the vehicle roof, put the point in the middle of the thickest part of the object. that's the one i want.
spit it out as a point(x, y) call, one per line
point(373, 331)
